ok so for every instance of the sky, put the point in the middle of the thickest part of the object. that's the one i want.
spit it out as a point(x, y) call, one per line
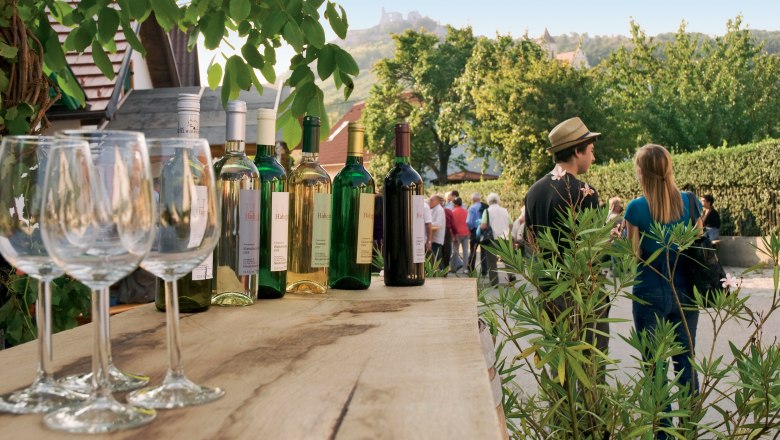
point(595, 17)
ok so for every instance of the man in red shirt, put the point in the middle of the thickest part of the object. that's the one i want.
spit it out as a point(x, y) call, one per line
point(460, 236)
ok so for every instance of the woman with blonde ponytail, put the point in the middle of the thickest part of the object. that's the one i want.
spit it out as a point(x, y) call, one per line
point(661, 202)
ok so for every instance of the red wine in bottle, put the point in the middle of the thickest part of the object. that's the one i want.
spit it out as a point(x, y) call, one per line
point(404, 224)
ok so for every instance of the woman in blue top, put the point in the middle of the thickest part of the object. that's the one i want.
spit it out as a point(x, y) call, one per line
point(661, 203)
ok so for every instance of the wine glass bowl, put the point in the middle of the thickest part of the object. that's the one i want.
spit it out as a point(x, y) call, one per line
point(22, 172)
point(97, 225)
point(187, 229)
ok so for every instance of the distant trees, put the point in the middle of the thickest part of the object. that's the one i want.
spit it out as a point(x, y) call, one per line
point(690, 92)
point(418, 85)
point(501, 96)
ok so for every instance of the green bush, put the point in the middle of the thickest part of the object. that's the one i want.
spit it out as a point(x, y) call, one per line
point(743, 180)
point(745, 184)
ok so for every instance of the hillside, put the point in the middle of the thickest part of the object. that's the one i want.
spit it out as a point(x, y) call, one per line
point(368, 46)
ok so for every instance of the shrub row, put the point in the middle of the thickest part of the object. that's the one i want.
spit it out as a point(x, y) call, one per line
point(745, 181)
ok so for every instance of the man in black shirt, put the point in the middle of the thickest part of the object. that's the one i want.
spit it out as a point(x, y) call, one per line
point(571, 144)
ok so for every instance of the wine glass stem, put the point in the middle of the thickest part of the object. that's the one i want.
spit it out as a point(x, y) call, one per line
point(43, 319)
point(101, 344)
point(105, 303)
point(172, 319)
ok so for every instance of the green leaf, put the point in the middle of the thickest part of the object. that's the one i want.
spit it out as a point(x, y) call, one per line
point(213, 28)
point(274, 23)
point(167, 13)
point(17, 118)
point(337, 22)
point(326, 62)
point(82, 37)
point(132, 38)
point(108, 23)
point(302, 98)
point(241, 72)
point(293, 34)
point(214, 75)
point(269, 73)
point(270, 54)
point(102, 60)
point(345, 62)
point(313, 31)
point(138, 9)
point(3, 82)
point(239, 9)
point(290, 127)
point(252, 56)
point(7, 51)
point(63, 13)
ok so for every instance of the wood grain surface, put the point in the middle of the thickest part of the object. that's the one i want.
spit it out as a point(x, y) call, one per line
point(383, 363)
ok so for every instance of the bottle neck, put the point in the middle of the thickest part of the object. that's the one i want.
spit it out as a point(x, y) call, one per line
point(309, 157)
point(402, 160)
point(234, 146)
point(266, 151)
point(354, 160)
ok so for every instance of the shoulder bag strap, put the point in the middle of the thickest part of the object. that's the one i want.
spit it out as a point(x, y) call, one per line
point(693, 210)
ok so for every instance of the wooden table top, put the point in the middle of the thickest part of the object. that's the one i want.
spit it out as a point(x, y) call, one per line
point(387, 362)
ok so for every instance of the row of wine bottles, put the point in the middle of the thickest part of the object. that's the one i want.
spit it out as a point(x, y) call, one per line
point(301, 233)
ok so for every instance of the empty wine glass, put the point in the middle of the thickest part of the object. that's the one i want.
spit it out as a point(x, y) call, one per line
point(117, 379)
point(188, 227)
point(23, 169)
point(97, 224)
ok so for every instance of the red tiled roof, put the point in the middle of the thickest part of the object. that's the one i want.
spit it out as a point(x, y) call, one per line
point(334, 149)
point(470, 176)
point(97, 88)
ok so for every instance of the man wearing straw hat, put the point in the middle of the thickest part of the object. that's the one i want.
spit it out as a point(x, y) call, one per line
point(571, 145)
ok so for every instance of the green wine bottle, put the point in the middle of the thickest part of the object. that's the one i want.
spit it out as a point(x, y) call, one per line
point(275, 215)
point(194, 288)
point(352, 229)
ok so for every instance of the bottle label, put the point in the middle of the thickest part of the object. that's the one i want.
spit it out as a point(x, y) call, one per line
point(418, 229)
point(249, 232)
point(280, 216)
point(320, 233)
point(205, 270)
point(365, 232)
point(189, 125)
point(198, 223)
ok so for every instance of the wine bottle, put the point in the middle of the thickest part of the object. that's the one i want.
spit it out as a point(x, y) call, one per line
point(310, 205)
point(274, 218)
point(238, 184)
point(194, 288)
point(404, 224)
point(352, 228)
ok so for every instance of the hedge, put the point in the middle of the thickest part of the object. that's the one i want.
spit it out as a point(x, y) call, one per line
point(745, 181)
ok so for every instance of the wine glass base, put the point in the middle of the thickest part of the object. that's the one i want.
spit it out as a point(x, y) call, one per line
point(41, 397)
point(118, 380)
point(174, 392)
point(99, 415)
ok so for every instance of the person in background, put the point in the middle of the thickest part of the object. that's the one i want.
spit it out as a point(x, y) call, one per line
point(449, 234)
point(497, 217)
point(449, 198)
point(518, 231)
point(428, 225)
point(616, 215)
point(710, 218)
point(662, 202)
point(460, 241)
point(438, 226)
point(473, 221)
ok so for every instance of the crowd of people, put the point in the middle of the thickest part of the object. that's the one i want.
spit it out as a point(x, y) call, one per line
point(572, 147)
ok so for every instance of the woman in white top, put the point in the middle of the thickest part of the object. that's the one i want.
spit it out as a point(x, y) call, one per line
point(500, 222)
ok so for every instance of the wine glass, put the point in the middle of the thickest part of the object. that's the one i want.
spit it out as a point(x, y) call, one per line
point(188, 227)
point(117, 379)
point(97, 223)
point(23, 160)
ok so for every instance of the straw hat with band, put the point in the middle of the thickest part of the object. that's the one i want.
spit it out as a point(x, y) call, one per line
point(569, 133)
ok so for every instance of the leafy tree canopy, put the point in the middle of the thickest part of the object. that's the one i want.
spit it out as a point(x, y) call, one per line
point(417, 85)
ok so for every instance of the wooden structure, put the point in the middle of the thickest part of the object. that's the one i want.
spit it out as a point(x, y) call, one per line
point(394, 363)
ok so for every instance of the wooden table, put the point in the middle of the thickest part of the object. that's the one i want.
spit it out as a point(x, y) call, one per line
point(400, 363)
